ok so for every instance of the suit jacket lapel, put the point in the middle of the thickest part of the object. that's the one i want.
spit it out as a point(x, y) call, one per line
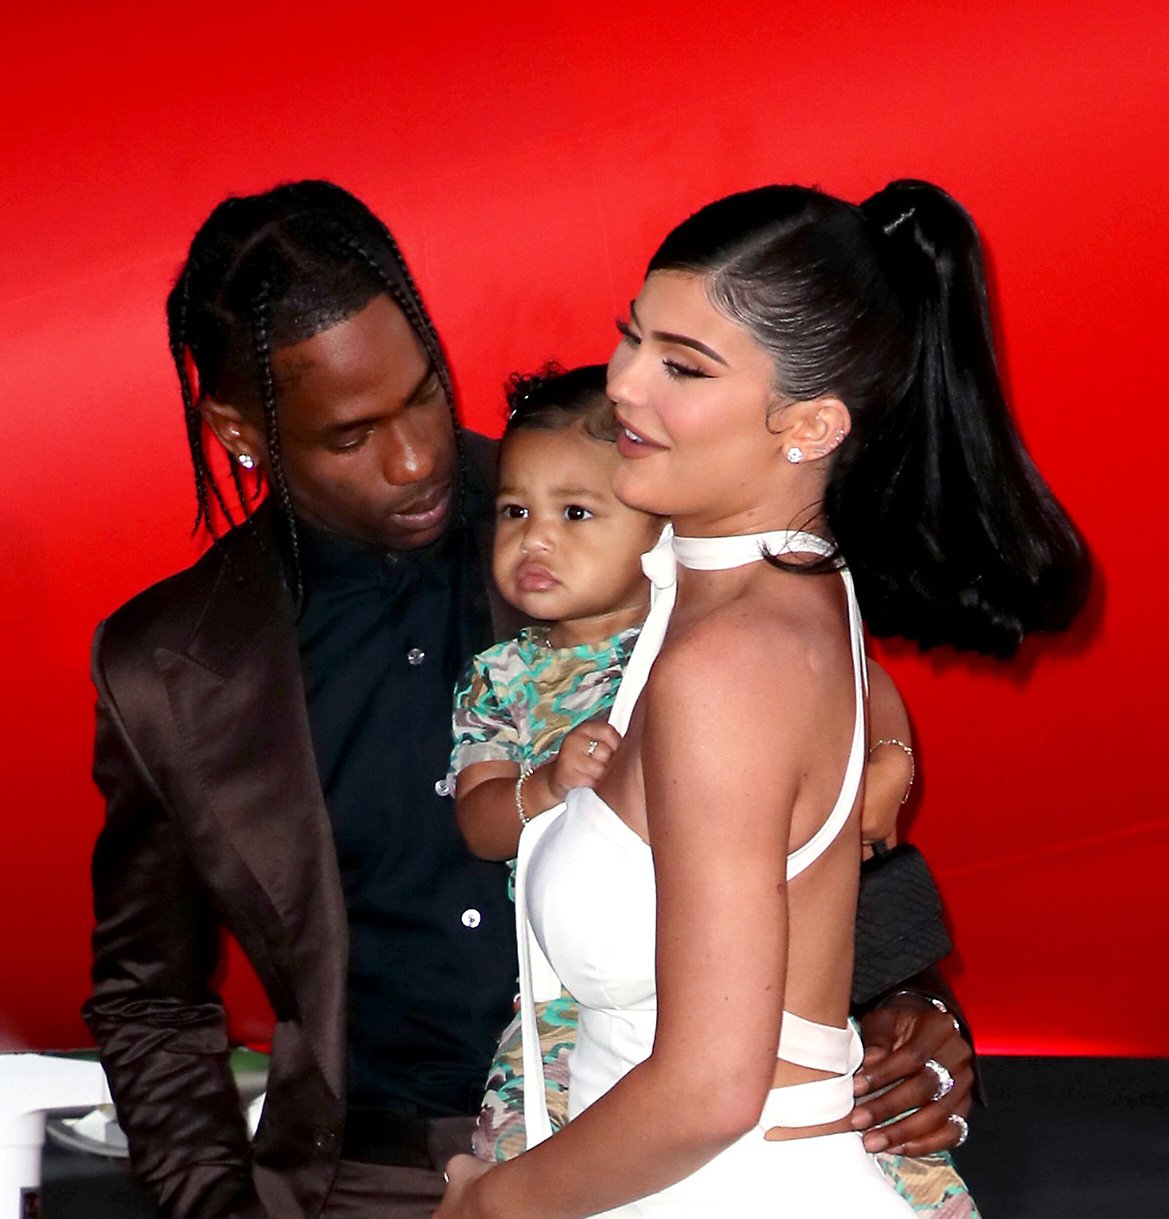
point(251, 781)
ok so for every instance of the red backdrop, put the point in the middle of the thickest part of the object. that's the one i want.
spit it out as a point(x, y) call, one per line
point(529, 162)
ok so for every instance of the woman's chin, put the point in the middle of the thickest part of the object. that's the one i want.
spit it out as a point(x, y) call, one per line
point(639, 494)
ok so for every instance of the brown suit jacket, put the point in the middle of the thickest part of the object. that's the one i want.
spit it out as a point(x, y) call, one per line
point(215, 819)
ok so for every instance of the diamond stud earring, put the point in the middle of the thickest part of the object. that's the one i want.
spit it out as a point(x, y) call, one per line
point(795, 455)
point(246, 460)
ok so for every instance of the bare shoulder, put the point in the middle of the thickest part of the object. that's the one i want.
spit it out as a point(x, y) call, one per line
point(750, 647)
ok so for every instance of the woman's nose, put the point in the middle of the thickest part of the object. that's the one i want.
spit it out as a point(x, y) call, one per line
point(624, 378)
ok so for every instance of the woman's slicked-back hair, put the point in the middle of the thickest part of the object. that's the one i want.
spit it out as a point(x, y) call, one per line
point(950, 532)
point(265, 271)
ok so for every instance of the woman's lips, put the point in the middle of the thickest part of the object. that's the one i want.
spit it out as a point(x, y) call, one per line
point(634, 444)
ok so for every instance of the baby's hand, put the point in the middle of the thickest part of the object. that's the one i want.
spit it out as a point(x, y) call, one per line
point(585, 754)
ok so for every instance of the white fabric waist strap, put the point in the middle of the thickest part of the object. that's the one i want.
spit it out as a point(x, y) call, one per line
point(820, 1100)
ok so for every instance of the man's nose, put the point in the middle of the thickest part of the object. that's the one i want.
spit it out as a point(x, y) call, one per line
point(408, 456)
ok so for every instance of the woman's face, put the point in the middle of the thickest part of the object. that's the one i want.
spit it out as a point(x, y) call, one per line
point(693, 391)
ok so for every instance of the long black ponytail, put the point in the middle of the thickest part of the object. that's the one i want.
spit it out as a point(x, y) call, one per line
point(950, 532)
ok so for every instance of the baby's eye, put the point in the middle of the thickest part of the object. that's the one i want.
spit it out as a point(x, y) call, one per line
point(512, 512)
point(574, 512)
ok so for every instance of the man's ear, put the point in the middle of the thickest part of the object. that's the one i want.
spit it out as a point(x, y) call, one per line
point(815, 427)
point(243, 441)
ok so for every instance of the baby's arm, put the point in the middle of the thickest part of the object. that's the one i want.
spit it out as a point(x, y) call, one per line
point(889, 773)
point(489, 795)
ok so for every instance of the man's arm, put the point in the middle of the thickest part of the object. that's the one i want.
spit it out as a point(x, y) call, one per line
point(158, 1024)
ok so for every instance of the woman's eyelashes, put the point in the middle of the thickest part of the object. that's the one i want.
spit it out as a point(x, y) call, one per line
point(675, 368)
point(627, 333)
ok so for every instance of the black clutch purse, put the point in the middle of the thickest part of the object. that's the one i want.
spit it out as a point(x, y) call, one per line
point(899, 928)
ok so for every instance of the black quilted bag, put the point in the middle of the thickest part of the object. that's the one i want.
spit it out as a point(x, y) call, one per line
point(899, 928)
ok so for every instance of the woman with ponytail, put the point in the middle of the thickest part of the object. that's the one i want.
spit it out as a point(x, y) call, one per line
point(808, 389)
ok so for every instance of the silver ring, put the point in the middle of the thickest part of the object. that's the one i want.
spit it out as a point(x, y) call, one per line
point(945, 1079)
point(592, 748)
point(963, 1128)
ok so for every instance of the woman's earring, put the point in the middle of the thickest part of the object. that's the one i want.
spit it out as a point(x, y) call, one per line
point(246, 460)
point(795, 455)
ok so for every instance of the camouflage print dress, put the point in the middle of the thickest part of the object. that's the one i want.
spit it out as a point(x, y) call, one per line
point(516, 703)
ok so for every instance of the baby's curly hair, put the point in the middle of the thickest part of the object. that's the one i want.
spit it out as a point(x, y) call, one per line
point(554, 398)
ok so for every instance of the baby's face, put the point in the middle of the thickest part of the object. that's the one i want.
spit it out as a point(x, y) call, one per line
point(567, 550)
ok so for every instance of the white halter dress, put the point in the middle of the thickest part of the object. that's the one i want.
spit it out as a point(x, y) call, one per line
point(585, 914)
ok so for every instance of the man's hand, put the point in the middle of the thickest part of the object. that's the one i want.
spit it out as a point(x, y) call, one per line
point(585, 754)
point(899, 1037)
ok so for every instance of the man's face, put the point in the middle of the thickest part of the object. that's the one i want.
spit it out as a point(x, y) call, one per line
point(367, 440)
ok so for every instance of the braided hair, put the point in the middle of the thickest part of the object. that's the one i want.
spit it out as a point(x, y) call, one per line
point(263, 272)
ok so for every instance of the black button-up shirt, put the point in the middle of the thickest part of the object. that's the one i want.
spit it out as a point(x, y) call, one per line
point(383, 637)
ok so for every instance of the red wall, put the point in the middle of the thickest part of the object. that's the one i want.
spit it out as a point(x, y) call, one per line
point(529, 163)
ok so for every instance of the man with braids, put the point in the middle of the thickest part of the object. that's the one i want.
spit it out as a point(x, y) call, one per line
point(272, 736)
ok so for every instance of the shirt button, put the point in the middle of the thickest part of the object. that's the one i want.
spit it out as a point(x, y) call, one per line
point(415, 656)
point(472, 918)
point(325, 1140)
point(442, 788)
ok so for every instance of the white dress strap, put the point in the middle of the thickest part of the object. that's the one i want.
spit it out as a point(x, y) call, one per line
point(538, 983)
point(804, 856)
point(700, 554)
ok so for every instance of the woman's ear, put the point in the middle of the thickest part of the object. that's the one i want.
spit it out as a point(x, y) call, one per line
point(243, 441)
point(814, 428)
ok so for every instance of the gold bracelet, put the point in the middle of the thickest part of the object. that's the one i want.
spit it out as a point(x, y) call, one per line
point(908, 751)
point(525, 773)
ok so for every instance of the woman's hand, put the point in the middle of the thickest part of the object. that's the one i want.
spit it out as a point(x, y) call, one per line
point(459, 1200)
point(899, 1039)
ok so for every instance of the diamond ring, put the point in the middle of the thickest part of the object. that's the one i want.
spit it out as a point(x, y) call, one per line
point(945, 1079)
point(963, 1128)
point(592, 748)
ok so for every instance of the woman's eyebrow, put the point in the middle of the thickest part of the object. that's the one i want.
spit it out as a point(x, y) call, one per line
point(666, 336)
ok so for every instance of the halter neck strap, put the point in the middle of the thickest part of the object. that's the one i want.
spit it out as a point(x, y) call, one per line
point(700, 554)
